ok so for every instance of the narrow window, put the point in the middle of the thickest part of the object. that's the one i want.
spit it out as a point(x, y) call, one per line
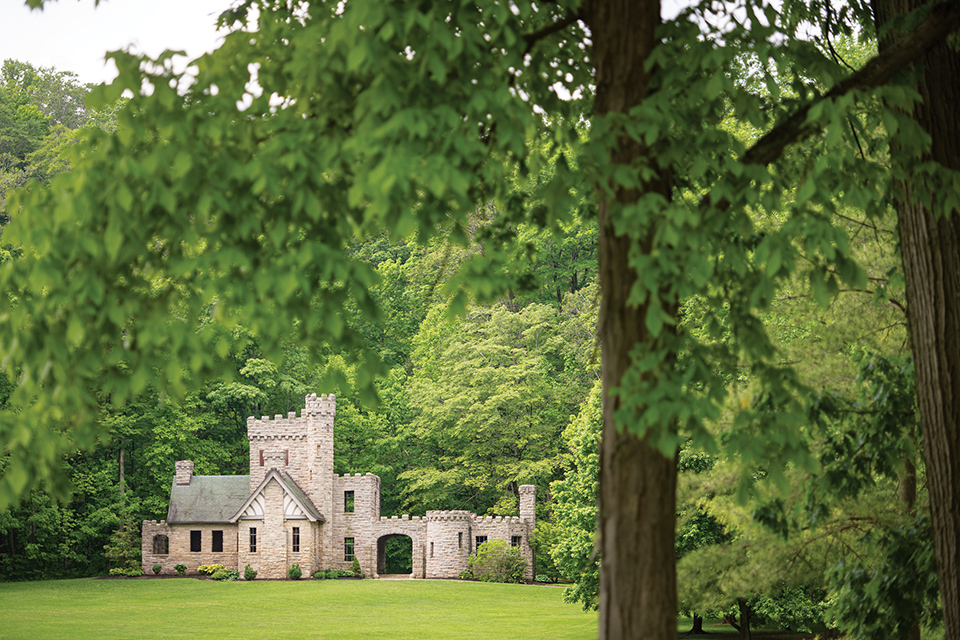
point(195, 540)
point(348, 549)
point(261, 457)
point(431, 549)
point(253, 539)
point(348, 501)
point(286, 457)
point(480, 540)
point(515, 541)
point(296, 539)
point(217, 546)
point(460, 540)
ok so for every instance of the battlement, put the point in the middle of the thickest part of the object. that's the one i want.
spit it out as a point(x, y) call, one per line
point(359, 475)
point(322, 405)
point(496, 519)
point(404, 518)
point(528, 489)
point(449, 516)
point(277, 428)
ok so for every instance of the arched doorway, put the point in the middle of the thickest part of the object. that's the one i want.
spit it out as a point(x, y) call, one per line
point(394, 554)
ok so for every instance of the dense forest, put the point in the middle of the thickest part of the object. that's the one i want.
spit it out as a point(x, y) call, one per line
point(757, 384)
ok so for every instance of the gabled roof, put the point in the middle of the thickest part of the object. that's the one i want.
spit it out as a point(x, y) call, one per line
point(207, 498)
point(291, 490)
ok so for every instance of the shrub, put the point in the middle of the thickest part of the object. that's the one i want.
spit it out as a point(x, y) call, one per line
point(249, 573)
point(157, 568)
point(496, 561)
point(209, 569)
point(320, 575)
point(180, 569)
point(294, 572)
point(332, 574)
point(225, 574)
point(356, 571)
point(130, 572)
point(466, 575)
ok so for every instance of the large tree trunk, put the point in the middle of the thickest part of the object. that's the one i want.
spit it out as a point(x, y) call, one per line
point(931, 262)
point(637, 482)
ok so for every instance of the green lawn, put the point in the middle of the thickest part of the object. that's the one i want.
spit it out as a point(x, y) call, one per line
point(309, 609)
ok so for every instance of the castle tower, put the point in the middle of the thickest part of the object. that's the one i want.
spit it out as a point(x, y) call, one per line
point(449, 543)
point(528, 504)
point(319, 414)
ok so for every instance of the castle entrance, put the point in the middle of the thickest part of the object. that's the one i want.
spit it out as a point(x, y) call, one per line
point(394, 554)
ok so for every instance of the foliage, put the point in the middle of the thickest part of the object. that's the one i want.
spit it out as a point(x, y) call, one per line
point(123, 549)
point(355, 569)
point(497, 561)
point(225, 574)
point(130, 572)
point(892, 594)
point(209, 569)
point(294, 571)
point(320, 575)
point(575, 505)
point(181, 569)
point(157, 568)
point(249, 573)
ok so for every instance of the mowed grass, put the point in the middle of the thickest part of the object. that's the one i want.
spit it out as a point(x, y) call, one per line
point(307, 609)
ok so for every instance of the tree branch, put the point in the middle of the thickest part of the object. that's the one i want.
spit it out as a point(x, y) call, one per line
point(532, 38)
point(943, 19)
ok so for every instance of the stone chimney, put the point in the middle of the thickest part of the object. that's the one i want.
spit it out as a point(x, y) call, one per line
point(184, 471)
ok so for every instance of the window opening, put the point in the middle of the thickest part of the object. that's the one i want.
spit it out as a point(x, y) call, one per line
point(261, 457)
point(480, 540)
point(217, 546)
point(348, 549)
point(296, 539)
point(195, 541)
point(286, 457)
point(253, 539)
point(161, 544)
point(348, 502)
point(431, 549)
point(460, 540)
point(515, 541)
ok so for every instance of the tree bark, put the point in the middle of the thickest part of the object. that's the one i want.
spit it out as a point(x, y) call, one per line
point(637, 483)
point(697, 625)
point(930, 246)
point(745, 614)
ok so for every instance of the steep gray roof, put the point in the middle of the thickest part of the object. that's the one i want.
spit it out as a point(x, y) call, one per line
point(207, 498)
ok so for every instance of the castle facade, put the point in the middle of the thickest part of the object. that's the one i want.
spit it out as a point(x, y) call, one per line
point(293, 509)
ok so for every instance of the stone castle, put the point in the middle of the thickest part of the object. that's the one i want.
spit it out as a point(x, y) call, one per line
point(292, 508)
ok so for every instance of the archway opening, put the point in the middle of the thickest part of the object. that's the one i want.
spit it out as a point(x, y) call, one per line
point(394, 554)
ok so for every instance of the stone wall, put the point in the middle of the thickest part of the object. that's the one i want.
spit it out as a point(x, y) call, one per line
point(413, 527)
point(152, 528)
point(179, 536)
point(505, 528)
point(358, 525)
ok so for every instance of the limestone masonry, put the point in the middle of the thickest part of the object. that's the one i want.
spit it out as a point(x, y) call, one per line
point(292, 508)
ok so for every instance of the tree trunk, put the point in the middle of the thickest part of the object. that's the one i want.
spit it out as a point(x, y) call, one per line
point(930, 247)
point(745, 614)
point(637, 483)
point(697, 625)
point(120, 464)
